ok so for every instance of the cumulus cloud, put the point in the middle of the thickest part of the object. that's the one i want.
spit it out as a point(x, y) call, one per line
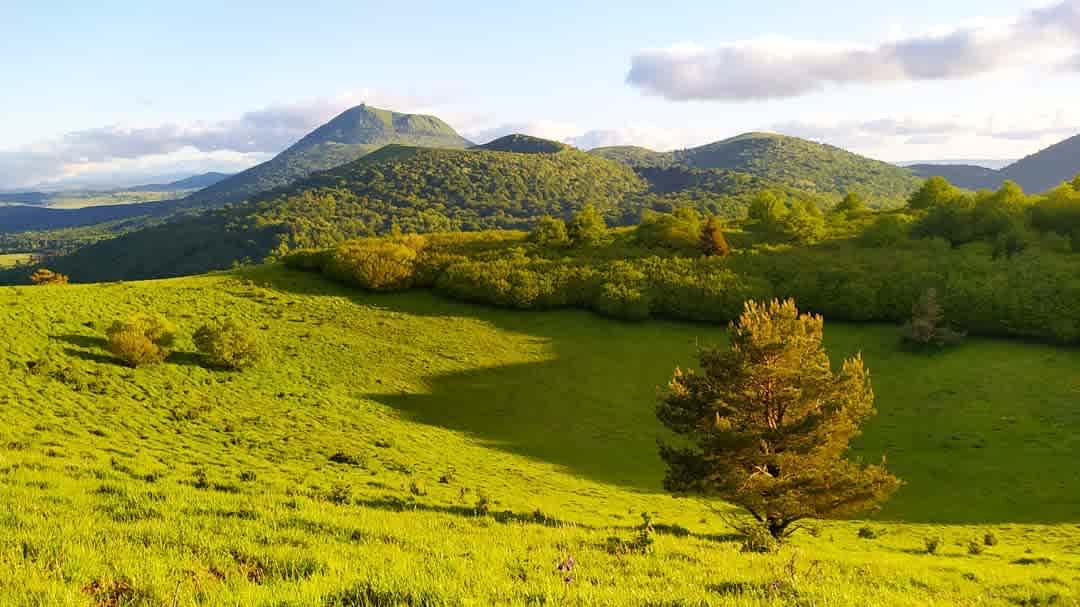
point(775, 68)
point(222, 144)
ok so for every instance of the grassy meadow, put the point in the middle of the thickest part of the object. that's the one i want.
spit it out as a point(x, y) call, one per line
point(11, 260)
point(404, 449)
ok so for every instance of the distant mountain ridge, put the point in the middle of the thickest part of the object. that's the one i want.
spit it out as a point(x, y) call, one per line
point(789, 160)
point(1038, 172)
point(350, 135)
point(195, 182)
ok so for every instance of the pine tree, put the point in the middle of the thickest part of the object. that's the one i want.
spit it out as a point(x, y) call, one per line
point(927, 326)
point(768, 423)
point(713, 242)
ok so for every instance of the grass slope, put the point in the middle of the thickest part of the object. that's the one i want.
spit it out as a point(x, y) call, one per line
point(180, 485)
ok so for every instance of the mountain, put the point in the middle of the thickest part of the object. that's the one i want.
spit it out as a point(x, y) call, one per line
point(30, 198)
point(967, 176)
point(414, 189)
point(523, 144)
point(195, 182)
point(986, 163)
point(788, 160)
point(1047, 168)
point(351, 135)
point(1039, 172)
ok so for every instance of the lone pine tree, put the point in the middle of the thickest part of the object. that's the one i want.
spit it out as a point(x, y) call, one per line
point(767, 423)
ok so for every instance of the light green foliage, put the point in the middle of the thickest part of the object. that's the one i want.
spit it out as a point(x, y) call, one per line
point(376, 264)
point(803, 223)
point(142, 339)
point(176, 483)
point(852, 204)
point(550, 232)
point(679, 230)
point(587, 228)
point(933, 191)
point(227, 344)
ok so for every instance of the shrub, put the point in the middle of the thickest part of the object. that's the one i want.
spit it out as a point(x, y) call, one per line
point(227, 344)
point(887, 231)
point(45, 276)
point(376, 264)
point(933, 544)
point(587, 228)
point(852, 204)
point(975, 548)
point(989, 539)
point(867, 533)
point(679, 231)
point(550, 232)
point(927, 325)
point(143, 339)
point(756, 538)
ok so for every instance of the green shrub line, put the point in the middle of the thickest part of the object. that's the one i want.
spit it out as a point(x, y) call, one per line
point(1033, 294)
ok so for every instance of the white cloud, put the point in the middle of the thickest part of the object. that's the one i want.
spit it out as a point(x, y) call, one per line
point(774, 68)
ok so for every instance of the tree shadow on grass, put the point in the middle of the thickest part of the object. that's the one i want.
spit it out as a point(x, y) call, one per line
point(589, 406)
point(99, 351)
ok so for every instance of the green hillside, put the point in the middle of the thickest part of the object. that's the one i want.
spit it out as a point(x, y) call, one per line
point(415, 189)
point(635, 156)
point(523, 144)
point(785, 160)
point(352, 134)
point(406, 450)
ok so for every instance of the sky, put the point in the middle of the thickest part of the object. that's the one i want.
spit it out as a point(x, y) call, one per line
point(123, 91)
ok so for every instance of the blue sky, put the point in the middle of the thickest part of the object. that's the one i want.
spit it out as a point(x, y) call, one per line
point(129, 90)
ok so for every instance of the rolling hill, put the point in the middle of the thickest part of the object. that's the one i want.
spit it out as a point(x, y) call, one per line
point(351, 135)
point(788, 160)
point(523, 144)
point(1039, 172)
point(415, 189)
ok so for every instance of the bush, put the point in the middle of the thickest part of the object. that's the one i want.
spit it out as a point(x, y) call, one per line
point(712, 241)
point(975, 548)
point(868, 533)
point(376, 264)
point(587, 228)
point(227, 344)
point(550, 232)
point(141, 340)
point(989, 539)
point(44, 276)
point(933, 544)
point(756, 538)
point(927, 325)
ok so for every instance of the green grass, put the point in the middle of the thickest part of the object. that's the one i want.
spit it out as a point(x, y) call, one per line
point(181, 485)
point(10, 260)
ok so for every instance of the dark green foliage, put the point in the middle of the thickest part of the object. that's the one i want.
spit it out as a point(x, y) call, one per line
point(887, 231)
point(975, 548)
point(927, 327)
point(550, 232)
point(523, 144)
point(587, 228)
point(989, 539)
point(227, 344)
point(143, 339)
point(712, 241)
point(868, 533)
point(769, 423)
point(933, 544)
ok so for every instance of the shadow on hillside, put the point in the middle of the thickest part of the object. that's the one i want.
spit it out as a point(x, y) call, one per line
point(588, 407)
point(99, 351)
